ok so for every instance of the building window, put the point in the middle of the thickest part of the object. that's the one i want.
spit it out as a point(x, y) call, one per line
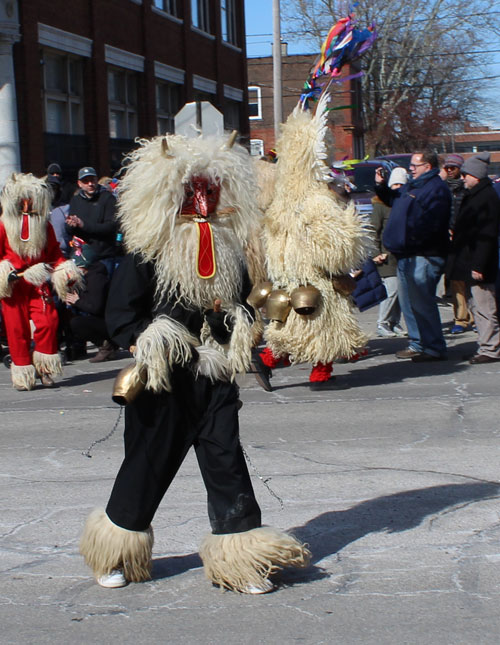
point(257, 147)
point(232, 115)
point(254, 103)
point(228, 18)
point(200, 14)
point(168, 103)
point(122, 98)
point(168, 6)
point(63, 93)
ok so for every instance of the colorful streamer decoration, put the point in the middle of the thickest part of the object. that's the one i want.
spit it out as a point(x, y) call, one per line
point(343, 45)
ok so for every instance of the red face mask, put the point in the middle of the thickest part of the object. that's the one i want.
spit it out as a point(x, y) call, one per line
point(201, 197)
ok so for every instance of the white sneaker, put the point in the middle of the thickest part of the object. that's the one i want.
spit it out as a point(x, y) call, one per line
point(112, 580)
point(385, 331)
point(399, 331)
point(265, 586)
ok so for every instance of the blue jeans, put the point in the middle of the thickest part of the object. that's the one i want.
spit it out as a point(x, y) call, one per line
point(418, 277)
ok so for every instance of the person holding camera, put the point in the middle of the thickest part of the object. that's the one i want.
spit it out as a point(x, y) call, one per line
point(417, 234)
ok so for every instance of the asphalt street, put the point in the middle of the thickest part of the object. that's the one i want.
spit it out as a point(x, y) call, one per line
point(393, 482)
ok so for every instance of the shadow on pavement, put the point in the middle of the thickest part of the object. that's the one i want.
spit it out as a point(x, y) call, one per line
point(332, 531)
point(175, 565)
point(91, 377)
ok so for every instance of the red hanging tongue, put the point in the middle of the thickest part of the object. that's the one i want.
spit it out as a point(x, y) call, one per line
point(206, 252)
point(25, 228)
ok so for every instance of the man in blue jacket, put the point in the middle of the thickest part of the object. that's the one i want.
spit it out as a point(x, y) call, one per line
point(417, 234)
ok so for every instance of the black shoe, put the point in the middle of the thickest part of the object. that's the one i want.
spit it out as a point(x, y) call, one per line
point(479, 359)
point(427, 358)
point(262, 373)
point(331, 384)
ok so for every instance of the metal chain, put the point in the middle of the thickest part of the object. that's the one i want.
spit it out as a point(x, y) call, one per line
point(103, 439)
point(247, 457)
point(264, 481)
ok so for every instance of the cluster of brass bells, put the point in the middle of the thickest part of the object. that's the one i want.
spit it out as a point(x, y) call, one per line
point(259, 294)
point(303, 300)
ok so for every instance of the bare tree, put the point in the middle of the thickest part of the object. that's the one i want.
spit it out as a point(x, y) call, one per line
point(425, 71)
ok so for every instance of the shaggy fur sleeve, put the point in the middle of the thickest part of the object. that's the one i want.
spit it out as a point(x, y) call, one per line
point(64, 276)
point(336, 238)
point(5, 286)
point(161, 345)
point(239, 349)
point(37, 274)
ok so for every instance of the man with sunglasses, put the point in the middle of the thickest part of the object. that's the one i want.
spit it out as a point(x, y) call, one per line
point(417, 234)
point(92, 217)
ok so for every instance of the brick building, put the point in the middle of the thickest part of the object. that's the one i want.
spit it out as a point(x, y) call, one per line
point(471, 140)
point(91, 75)
point(345, 124)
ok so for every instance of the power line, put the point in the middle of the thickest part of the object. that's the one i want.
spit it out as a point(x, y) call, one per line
point(428, 85)
point(435, 20)
point(394, 57)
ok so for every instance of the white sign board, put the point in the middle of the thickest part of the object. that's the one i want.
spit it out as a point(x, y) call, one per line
point(199, 117)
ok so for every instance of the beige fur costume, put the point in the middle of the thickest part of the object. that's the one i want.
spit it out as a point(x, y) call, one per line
point(162, 239)
point(310, 235)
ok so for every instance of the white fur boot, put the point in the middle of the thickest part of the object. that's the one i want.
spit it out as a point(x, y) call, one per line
point(23, 376)
point(107, 547)
point(244, 561)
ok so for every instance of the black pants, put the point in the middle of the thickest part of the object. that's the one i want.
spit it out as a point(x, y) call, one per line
point(92, 328)
point(160, 429)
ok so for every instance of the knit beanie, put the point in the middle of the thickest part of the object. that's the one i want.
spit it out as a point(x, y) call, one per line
point(398, 176)
point(477, 166)
point(53, 168)
point(453, 160)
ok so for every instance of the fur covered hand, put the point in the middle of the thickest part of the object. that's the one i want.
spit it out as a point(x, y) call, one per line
point(37, 274)
point(65, 278)
point(6, 282)
point(221, 327)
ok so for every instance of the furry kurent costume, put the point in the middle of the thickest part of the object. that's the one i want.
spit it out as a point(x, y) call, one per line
point(186, 207)
point(31, 259)
point(312, 240)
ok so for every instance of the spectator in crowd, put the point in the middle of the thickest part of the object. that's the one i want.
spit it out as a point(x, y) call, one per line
point(474, 253)
point(463, 318)
point(417, 234)
point(88, 305)
point(66, 188)
point(55, 186)
point(58, 215)
point(389, 313)
point(92, 217)
point(496, 186)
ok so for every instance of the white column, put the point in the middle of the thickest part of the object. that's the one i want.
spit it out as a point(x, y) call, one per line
point(10, 157)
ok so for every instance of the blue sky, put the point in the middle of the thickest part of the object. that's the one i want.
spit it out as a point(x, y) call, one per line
point(259, 27)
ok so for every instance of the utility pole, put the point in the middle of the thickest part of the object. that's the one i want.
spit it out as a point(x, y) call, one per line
point(277, 86)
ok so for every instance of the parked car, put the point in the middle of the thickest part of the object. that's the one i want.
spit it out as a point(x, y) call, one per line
point(364, 182)
point(400, 159)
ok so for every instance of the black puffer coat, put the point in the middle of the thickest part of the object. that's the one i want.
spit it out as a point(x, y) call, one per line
point(475, 239)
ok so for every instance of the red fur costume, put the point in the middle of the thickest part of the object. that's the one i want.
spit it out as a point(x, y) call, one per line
point(30, 257)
